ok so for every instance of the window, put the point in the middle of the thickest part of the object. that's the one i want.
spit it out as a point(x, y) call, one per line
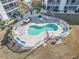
point(49, 1)
point(53, 1)
point(10, 0)
point(15, 4)
point(53, 8)
point(6, 7)
point(56, 8)
point(73, 1)
point(70, 7)
point(9, 14)
point(67, 1)
point(11, 5)
point(13, 14)
point(58, 1)
point(4, 1)
point(48, 7)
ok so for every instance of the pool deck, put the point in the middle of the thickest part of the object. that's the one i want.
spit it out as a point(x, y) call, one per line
point(22, 34)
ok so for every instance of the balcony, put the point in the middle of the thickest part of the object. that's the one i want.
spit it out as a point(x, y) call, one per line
point(10, 6)
point(4, 1)
point(7, 1)
point(54, 1)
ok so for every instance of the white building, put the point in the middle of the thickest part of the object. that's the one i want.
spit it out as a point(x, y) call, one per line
point(8, 9)
point(61, 5)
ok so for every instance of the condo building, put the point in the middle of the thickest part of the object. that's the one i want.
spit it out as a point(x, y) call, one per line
point(71, 6)
point(8, 9)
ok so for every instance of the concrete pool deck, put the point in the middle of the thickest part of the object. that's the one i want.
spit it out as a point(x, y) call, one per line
point(33, 40)
point(24, 40)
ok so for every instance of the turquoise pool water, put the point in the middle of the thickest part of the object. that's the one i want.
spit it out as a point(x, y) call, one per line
point(35, 29)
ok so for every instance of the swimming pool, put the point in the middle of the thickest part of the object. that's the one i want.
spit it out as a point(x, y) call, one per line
point(36, 29)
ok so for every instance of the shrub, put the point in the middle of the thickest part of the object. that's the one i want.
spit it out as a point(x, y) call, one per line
point(2, 23)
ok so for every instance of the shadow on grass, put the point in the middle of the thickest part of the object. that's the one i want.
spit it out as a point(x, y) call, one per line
point(6, 39)
point(17, 50)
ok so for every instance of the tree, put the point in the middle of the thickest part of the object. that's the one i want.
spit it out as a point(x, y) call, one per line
point(8, 37)
point(37, 6)
point(22, 7)
point(6, 21)
point(2, 23)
